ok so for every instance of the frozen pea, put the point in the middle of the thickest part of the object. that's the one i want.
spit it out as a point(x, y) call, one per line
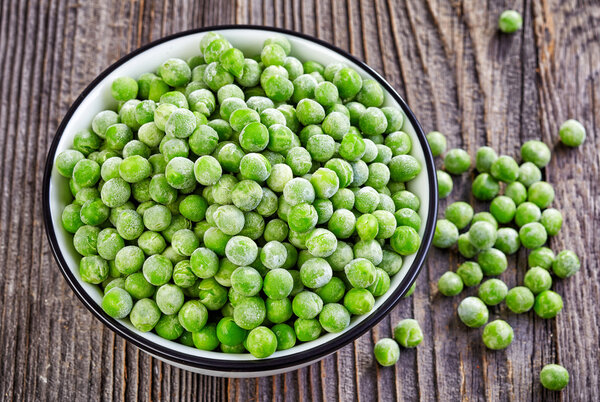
point(517, 192)
point(405, 240)
point(482, 235)
point(299, 160)
point(503, 209)
point(527, 212)
point(302, 218)
point(457, 161)
point(157, 269)
point(459, 213)
point(505, 169)
point(373, 121)
point(408, 333)
point(204, 263)
point(465, 247)
point(273, 254)
point(541, 257)
point(536, 152)
point(445, 184)
point(485, 187)
point(572, 133)
point(184, 241)
point(299, 190)
point(497, 335)
point(484, 159)
point(360, 172)
point(437, 142)
point(93, 269)
point(343, 170)
point(399, 142)
point(492, 261)
point(247, 281)
point(321, 147)
point(369, 249)
point(533, 235)
point(473, 312)
point(307, 305)
point(325, 182)
point(548, 304)
point(241, 250)
point(394, 117)
point(336, 125)
point(552, 221)
point(404, 168)
point(450, 284)
point(359, 301)
point(537, 280)
point(321, 242)
point(554, 377)
point(565, 264)
point(470, 272)
point(361, 273)
point(366, 200)
point(529, 173)
point(507, 240)
point(229, 219)
point(541, 193)
point(492, 291)
point(408, 217)
point(334, 317)
point(446, 234)
point(255, 166)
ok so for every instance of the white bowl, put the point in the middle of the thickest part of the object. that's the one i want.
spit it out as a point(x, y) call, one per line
point(97, 97)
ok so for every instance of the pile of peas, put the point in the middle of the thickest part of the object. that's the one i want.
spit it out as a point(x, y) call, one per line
point(519, 216)
point(242, 203)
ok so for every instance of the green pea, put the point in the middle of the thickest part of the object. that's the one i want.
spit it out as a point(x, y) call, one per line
point(497, 335)
point(572, 133)
point(510, 21)
point(408, 333)
point(473, 312)
point(386, 352)
point(450, 284)
point(554, 377)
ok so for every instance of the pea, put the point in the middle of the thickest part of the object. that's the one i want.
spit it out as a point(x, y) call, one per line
point(445, 235)
point(554, 377)
point(386, 352)
point(457, 161)
point(470, 272)
point(408, 333)
point(541, 257)
point(510, 21)
point(473, 312)
point(572, 133)
point(520, 299)
point(460, 214)
point(492, 291)
point(497, 335)
point(437, 143)
point(445, 183)
point(548, 304)
point(565, 264)
point(450, 284)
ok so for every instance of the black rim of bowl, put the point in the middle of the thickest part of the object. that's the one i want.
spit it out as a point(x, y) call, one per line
point(259, 365)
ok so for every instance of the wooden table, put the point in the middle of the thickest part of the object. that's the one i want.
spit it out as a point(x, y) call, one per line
point(458, 74)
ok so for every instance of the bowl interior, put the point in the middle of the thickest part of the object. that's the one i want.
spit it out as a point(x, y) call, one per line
point(250, 41)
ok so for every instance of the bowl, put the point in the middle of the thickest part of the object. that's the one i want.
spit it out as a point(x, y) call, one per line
point(97, 97)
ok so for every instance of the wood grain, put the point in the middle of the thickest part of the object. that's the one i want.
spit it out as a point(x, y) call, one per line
point(459, 75)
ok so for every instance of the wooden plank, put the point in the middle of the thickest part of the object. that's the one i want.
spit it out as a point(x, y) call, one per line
point(459, 75)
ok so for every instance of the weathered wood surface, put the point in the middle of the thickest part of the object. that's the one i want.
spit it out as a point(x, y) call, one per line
point(459, 76)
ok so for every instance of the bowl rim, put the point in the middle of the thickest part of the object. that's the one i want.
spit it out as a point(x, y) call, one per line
point(228, 365)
